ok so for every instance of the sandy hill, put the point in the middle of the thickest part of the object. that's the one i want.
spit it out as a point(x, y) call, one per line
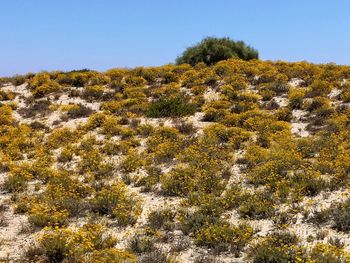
point(237, 162)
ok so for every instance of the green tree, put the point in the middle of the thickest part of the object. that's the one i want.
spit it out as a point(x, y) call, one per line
point(211, 50)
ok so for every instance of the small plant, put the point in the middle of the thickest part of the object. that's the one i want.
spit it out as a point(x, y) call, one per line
point(170, 107)
point(225, 237)
point(325, 253)
point(79, 111)
point(131, 162)
point(277, 247)
point(341, 216)
point(73, 246)
point(162, 219)
point(141, 243)
point(93, 92)
point(296, 97)
point(117, 202)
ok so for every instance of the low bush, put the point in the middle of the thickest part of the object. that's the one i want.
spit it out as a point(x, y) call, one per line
point(296, 97)
point(93, 93)
point(170, 107)
point(43, 215)
point(117, 202)
point(162, 219)
point(257, 206)
point(324, 253)
point(320, 88)
point(79, 111)
point(16, 182)
point(111, 255)
point(282, 247)
point(74, 246)
point(37, 108)
point(41, 85)
point(141, 243)
point(131, 162)
point(341, 216)
point(223, 237)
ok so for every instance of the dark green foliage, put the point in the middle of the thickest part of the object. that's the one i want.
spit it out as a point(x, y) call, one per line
point(170, 107)
point(212, 50)
point(162, 219)
point(341, 216)
point(79, 112)
point(277, 247)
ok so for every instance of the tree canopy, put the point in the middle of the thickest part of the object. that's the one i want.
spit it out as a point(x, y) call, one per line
point(212, 50)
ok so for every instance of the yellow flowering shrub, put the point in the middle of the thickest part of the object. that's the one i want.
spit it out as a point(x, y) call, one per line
point(118, 202)
point(345, 93)
point(40, 214)
point(89, 241)
point(6, 95)
point(328, 253)
point(111, 255)
point(222, 236)
point(279, 136)
point(41, 85)
point(93, 92)
point(61, 137)
point(6, 115)
point(296, 96)
point(277, 247)
point(320, 88)
point(131, 162)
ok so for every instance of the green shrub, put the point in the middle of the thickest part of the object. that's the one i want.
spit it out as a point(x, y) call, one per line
point(170, 107)
point(162, 219)
point(179, 182)
point(257, 206)
point(341, 216)
point(281, 247)
point(79, 111)
point(296, 97)
point(93, 92)
point(212, 50)
point(320, 88)
point(16, 182)
point(223, 237)
point(116, 201)
point(323, 253)
point(141, 243)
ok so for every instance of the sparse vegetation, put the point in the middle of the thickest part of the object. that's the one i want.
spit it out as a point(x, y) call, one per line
point(217, 161)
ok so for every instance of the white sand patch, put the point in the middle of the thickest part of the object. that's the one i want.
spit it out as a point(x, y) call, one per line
point(325, 199)
point(282, 101)
point(66, 100)
point(236, 174)
point(298, 124)
point(299, 129)
point(74, 123)
point(197, 122)
point(12, 241)
point(211, 95)
point(157, 122)
point(295, 82)
point(334, 93)
point(22, 90)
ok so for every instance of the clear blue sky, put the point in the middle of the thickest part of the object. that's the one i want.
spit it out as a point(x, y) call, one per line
point(100, 34)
